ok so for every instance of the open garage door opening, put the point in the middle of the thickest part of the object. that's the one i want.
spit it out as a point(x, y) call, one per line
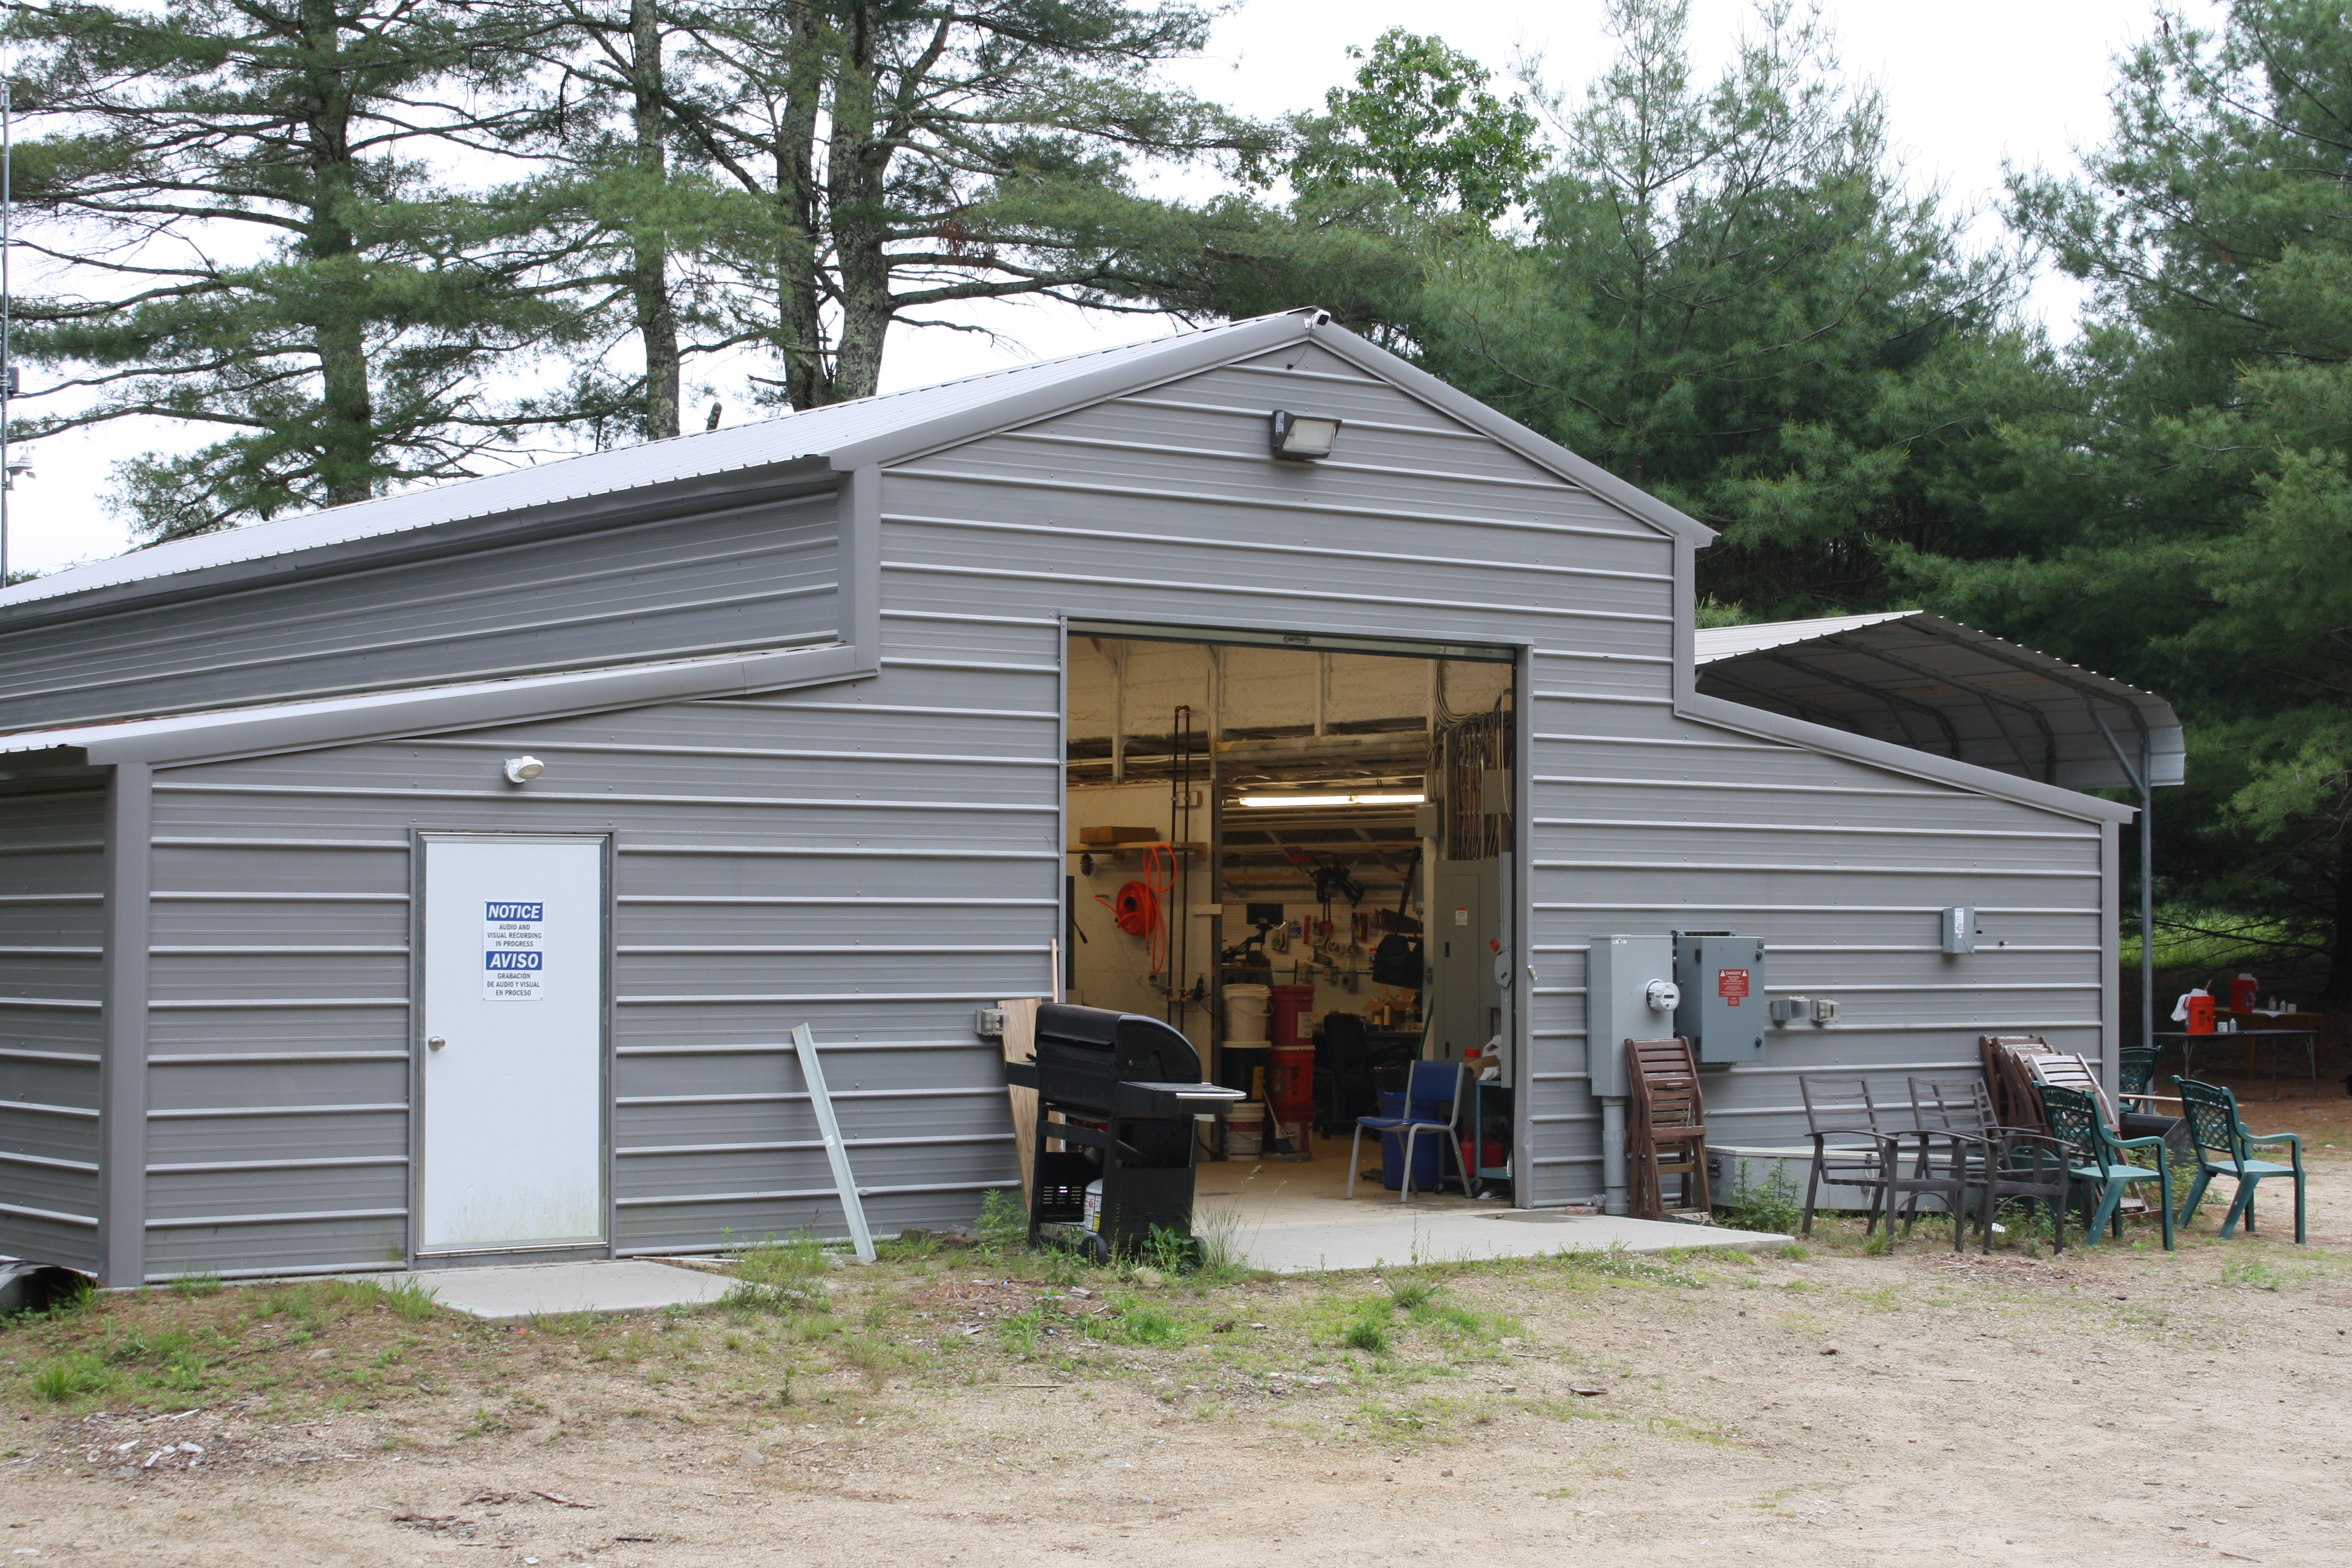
point(1302, 851)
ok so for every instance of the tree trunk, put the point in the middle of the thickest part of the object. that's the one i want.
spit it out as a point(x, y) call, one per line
point(854, 176)
point(649, 271)
point(2339, 958)
point(800, 258)
point(346, 429)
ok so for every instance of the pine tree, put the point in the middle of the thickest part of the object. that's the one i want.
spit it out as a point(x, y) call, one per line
point(887, 158)
point(1725, 296)
point(2185, 513)
point(248, 193)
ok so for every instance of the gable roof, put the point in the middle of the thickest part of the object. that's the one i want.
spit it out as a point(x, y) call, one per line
point(841, 436)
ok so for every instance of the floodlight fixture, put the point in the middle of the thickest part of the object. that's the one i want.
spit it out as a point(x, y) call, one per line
point(1304, 437)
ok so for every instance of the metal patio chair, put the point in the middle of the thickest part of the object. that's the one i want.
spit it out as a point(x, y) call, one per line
point(2009, 1163)
point(1842, 1108)
point(2214, 1124)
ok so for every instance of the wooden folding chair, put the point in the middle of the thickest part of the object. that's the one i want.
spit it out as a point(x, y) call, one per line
point(2015, 1100)
point(1666, 1132)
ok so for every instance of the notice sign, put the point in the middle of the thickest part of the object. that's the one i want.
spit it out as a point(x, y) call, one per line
point(514, 951)
point(1731, 985)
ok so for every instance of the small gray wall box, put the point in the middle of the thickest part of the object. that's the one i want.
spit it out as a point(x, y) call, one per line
point(1960, 929)
point(772, 725)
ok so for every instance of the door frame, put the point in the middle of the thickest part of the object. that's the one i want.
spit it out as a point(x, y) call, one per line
point(417, 839)
point(1515, 649)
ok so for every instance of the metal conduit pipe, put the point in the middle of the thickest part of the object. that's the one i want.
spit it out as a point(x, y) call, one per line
point(1613, 1153)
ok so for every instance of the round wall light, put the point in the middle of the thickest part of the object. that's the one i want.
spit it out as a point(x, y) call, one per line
point(523, 770)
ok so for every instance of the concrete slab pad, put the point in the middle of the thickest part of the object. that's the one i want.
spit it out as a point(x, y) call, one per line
point(1402, 1236)
point(503, 1293)
point(1298, 1219)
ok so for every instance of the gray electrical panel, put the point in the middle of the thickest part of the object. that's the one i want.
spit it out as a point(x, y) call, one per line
point(1465, 936)
point(1722, 981)
point(1627, 996)
point(1960, 929)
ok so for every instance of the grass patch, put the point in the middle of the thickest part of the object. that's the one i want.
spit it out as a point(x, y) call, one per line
point(1618, 1263)
point(78, 1375)
point(1141, 1324)
point(780, 1276)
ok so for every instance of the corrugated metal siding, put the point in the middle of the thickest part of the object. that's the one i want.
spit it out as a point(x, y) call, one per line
point(838, 857)
point(1645, 822)
point(52, 965)
point(762, 576)
point(879, 857)
point(1164, 506)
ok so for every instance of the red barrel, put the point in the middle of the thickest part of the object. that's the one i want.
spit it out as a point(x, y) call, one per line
point(1291, 1081)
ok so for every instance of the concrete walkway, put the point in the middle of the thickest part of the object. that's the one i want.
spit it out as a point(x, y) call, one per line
point(501, 1292)
point(1414, 1234)
point(1297, 1219)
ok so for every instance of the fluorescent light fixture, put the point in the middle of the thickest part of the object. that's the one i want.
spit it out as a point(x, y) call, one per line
point(1302, 438)
point(523, 770)
point(1266, 800)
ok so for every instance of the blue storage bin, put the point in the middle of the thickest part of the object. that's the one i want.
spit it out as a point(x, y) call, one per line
point(1426, 1156)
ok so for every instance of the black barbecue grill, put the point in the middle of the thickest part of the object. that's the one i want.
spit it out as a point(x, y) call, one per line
point(1120, 1092)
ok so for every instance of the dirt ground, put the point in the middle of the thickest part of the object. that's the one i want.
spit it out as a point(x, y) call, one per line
point(982, 1407)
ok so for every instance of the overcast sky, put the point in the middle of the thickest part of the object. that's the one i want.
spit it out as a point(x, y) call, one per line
point(1968, 87)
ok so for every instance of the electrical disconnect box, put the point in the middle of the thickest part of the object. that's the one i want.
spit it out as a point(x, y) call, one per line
point(1721, 976)
point(1629, 994)
point(1959, 929)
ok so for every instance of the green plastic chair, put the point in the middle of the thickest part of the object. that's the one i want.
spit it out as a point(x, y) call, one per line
point(2136, 1076)
point(2214, 1124)
point(2099, 1159)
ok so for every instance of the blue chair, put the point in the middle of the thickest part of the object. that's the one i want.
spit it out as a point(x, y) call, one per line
point(1432, 1084)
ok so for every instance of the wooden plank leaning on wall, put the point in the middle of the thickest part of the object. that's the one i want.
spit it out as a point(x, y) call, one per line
point(1020, 1045)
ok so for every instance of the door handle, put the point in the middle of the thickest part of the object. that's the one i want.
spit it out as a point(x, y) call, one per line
point(435, 1042)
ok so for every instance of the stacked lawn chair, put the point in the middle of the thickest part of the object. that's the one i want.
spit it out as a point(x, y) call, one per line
point(2059, 1095)
point(1666, 1132)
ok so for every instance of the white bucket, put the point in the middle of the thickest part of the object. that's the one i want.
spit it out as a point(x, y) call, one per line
point(1246, 1007)
point(1245, 1128)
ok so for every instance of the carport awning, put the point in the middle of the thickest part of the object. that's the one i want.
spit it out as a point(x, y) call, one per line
point(1919, 680)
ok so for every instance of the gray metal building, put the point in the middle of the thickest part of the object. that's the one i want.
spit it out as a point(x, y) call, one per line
point(798, 688)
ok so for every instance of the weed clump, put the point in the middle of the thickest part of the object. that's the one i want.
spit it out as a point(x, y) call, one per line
point(73, 1376)
point(1772, 1206)
point(1003, 1223)
point(780, 1276)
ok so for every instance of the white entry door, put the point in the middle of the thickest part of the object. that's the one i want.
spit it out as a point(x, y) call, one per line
point(513, 1080)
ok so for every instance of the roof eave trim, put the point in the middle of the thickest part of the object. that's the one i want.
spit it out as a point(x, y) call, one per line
point(252, 731)
point(1181, 357)
point(1499, 427)
point(1726, 714)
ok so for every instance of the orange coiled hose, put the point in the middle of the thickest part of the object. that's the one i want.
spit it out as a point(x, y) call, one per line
point(1136, 908)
